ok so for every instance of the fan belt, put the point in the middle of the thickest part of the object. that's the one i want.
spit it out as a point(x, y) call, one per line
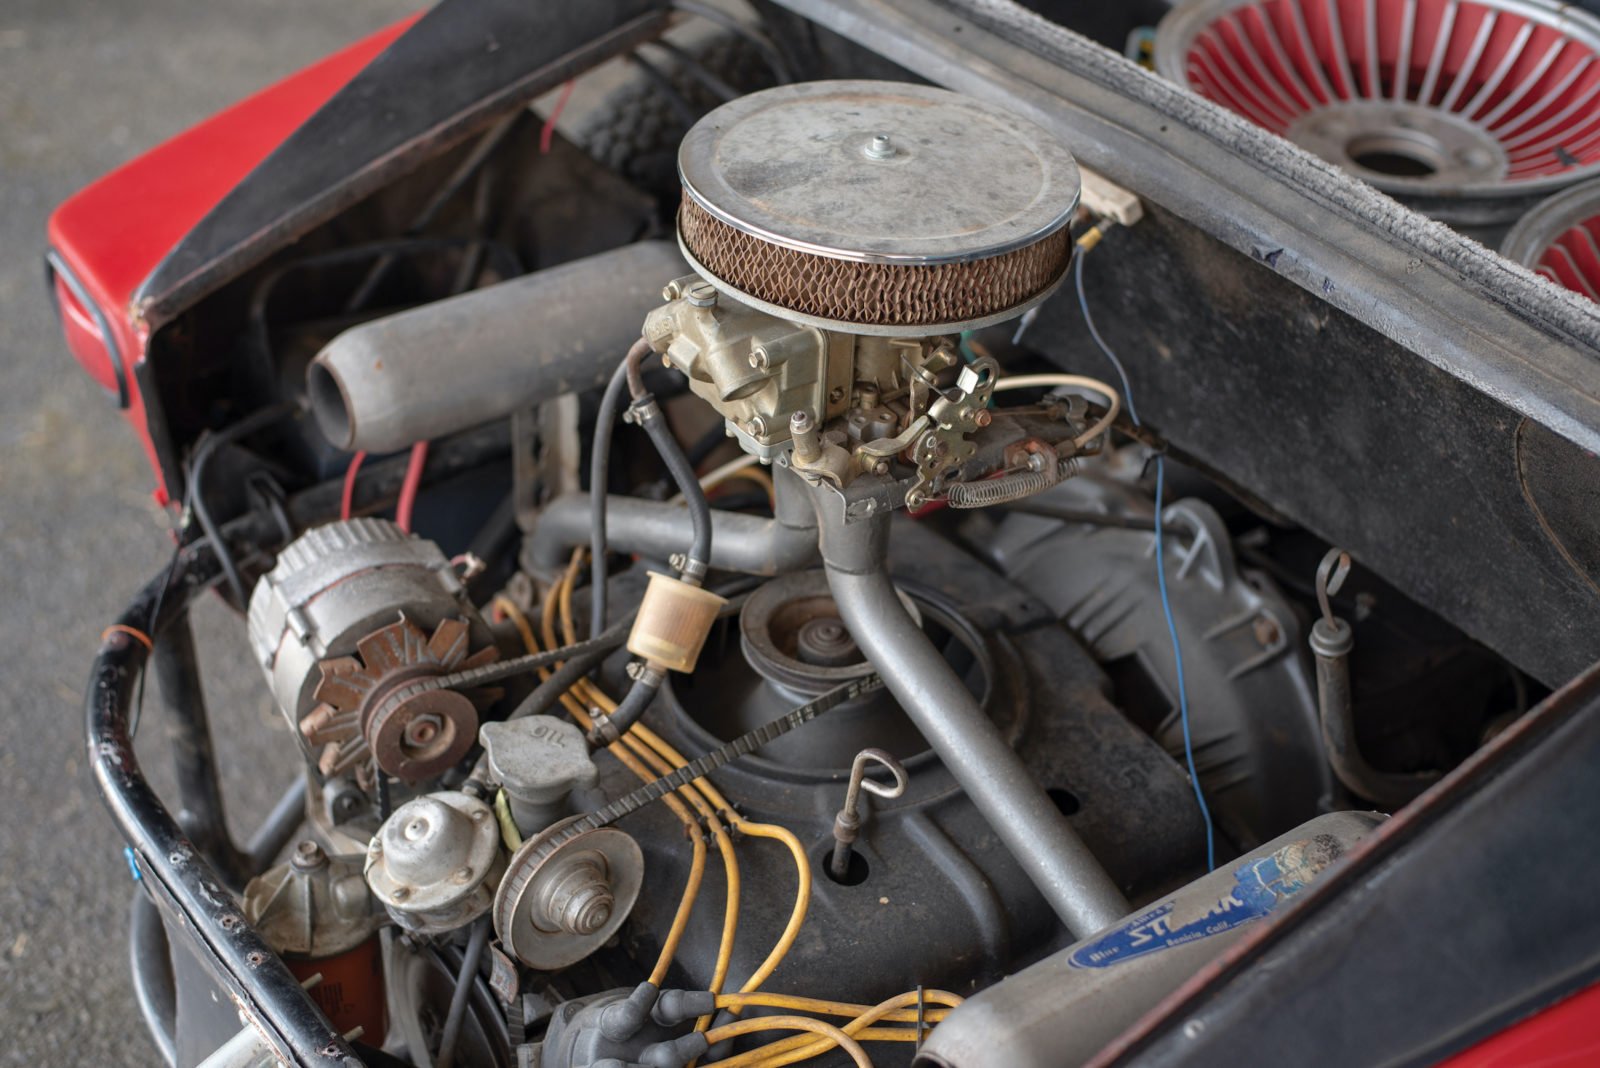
point(539, 848)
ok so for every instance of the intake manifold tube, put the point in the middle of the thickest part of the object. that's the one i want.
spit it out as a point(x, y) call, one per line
point(657, 529)
point(993, 775)
point(472, 359)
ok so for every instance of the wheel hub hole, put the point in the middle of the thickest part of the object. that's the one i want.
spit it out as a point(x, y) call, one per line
point(1396, 153)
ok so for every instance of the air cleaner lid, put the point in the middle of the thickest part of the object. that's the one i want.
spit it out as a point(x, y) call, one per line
point(882, 204)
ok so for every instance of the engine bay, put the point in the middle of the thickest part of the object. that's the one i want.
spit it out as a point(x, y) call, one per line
point(883, 690)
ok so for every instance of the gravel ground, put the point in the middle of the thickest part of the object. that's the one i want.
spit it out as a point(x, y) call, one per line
point(85, 86)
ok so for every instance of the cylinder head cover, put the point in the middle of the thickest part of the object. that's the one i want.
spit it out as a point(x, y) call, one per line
point(876, 207)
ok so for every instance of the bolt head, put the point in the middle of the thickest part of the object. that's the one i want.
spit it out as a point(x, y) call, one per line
point(400, 893)
point(423, 730)
point(836, 394)
point(308, 856)
point(756, 426)
point(701, 295)
point(880, 147)
point(800, 422)
point(982, 417)
point(589, 910)
point(759, 358)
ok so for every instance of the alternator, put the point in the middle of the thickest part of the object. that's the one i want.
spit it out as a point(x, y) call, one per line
point(366, 588)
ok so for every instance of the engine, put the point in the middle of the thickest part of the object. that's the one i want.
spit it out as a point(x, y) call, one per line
point(866, 754)
point(787, 643)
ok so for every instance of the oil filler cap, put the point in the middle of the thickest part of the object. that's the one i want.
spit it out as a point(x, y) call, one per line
point(876, 207)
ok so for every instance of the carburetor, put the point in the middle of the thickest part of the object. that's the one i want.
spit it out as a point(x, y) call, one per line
point(843, 235)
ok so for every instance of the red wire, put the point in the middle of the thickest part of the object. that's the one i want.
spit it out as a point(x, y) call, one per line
point(348, 500)
point(547, 135)
point(409, 487)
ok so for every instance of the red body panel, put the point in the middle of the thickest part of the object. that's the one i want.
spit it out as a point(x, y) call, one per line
point(1565, 1035)
point(114, 232)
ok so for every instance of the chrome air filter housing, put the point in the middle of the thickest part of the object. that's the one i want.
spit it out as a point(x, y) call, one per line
point(876, 207)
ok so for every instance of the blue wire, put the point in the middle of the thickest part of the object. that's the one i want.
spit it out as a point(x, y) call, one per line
point(1161, 572)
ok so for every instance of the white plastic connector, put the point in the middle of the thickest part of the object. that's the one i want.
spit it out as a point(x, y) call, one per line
point(1109, 200)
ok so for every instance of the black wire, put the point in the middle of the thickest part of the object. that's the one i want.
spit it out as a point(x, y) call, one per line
point(265, 493)
point(194, 493)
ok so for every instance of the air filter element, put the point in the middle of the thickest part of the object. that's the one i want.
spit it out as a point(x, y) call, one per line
point(876, 207)
point(1561, 239)
point(1447, 98)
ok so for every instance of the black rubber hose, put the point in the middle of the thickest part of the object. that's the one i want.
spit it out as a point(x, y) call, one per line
point(195, 494)
point(693, 570)
point(648, 415)
point(458, 1000)
point(280, 825)
point(605, 424)
point(629, 709)
point(655, 424)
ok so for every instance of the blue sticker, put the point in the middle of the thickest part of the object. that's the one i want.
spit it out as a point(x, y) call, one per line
point(1260, 886)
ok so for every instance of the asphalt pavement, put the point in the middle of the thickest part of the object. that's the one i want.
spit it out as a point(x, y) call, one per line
point(85, 86)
